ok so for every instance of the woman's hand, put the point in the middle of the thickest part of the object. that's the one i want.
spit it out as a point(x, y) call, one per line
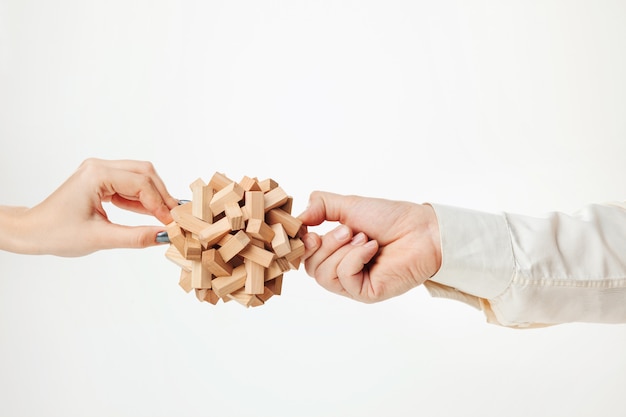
point(72, 220)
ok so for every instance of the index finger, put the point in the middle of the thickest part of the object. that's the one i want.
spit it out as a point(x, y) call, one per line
point(144, 168)
point(141, 188)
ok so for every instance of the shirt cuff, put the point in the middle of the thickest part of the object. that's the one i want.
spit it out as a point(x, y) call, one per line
point(476, 252)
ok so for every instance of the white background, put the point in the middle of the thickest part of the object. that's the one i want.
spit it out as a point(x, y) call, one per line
point(493, 105)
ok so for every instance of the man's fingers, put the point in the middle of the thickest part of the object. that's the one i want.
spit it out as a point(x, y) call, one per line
point(351, 272)
point(340, 266)
point(312, 241)
point(330, 243)
point(324, 206)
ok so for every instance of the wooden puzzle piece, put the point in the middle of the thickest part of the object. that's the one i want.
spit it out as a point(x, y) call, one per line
point(233, 245)
point(214, 263)
point(280, 241)
point(202, 195)
point(200, 276)
point(258, 229)
point(291, 224)
point(234, 215)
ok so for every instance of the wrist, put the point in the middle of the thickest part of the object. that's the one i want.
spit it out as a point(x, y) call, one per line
point(432, 229)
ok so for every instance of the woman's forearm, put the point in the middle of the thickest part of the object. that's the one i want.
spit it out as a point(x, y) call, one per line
point(13, 229)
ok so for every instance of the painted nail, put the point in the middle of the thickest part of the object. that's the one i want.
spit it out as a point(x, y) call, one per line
point(162, 237)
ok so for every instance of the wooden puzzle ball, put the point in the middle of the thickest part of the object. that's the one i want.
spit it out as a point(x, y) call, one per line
point(235, 240)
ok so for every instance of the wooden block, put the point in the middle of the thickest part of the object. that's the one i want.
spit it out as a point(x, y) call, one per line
point(295, 263)
point(206, 294)
point(176, 236)
point(274, 198)
point(202, 195)
point(254, 205)
point(297, 249)
point(275, 285)
point(258, 255)
point(249, 184)
point(192, 249)
point(291, 224)
point(267, 185)
point(182, 208)
point(185, 280)
point(226, 285)
point(219, 181)
point(288, 206)
point(280, 242)
point(182, 215)
point(241, 297)
point(200, 293)
point(258, 229)
point(200, 276)
point(257, 242)
point(255, 301)
point(211, 297)
point(175, 256)
point(237, 243)
point(214, 263)
point(273, 271)
point(195, 187)
point(232, 193)
point(224, 240)
point(212, 234)
point(236, 261)
point(283, 264)
point(234, 215)
point(255, 277)
point(247, 300)
point(267, 294)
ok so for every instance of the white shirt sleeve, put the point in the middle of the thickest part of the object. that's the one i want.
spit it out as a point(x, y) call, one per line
point(534, 271)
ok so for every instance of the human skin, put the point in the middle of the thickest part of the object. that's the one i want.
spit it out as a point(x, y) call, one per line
point(72, 221)
point(380, 249)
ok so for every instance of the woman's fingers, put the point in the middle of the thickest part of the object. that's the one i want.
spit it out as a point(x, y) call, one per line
point(136, 192)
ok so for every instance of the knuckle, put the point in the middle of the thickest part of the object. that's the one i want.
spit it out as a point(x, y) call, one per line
point(88, 164)
point(146, 167)
point(141, 241)
point(90, 167)
point(145, 182)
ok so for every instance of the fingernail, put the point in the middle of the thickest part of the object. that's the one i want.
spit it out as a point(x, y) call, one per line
point(309, 241)
point(341, 233)
point(370, 245)
point(162, 237)
point(359, 239)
